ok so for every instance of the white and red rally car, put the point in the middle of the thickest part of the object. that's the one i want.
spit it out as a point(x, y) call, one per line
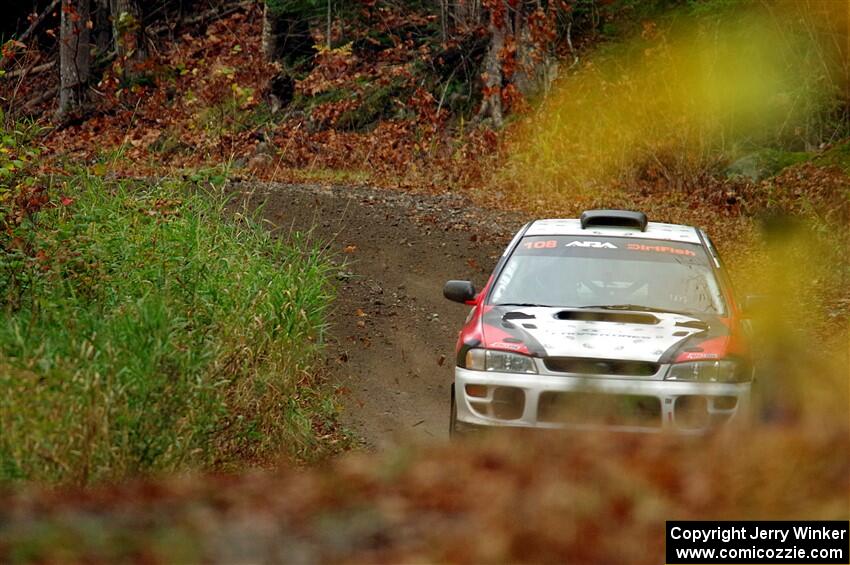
point(605, 321)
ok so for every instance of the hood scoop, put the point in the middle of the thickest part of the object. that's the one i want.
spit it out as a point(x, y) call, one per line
point(607, 316)
point(518, 315)
point(590, 366)
point(693, 324)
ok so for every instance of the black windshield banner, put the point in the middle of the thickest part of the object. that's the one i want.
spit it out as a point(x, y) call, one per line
point(613, 248)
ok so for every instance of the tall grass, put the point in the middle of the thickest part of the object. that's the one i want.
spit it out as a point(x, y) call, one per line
point(147, 330)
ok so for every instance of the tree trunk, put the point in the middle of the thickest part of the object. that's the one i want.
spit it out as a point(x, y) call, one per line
point(102, 30)
point(74, 57)
point(463, 15)
point(466, 13)
point(269, 36)
point(277, 25)
point(129, 35)
point(519, 62)
point(444, 20)
point(491, 106)
point(287, 34)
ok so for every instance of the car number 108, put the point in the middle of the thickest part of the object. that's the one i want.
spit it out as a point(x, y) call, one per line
point(548, 244)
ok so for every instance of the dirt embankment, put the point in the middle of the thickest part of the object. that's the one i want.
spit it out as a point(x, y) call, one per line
point(392, 333)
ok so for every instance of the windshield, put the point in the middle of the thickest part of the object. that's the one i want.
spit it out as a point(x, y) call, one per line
point(581, 271)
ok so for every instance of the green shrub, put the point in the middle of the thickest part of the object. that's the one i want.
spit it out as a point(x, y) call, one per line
point(147, 329)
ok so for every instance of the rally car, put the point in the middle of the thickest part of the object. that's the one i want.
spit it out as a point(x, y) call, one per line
point(607, 321)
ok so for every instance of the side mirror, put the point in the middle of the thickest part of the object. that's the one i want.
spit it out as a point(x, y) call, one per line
point(459, 291)
point(753, 304)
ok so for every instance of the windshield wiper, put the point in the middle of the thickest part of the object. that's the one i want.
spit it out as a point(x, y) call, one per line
point(639, 308)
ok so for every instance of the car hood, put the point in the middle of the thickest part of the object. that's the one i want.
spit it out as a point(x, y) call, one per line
point(599, 334)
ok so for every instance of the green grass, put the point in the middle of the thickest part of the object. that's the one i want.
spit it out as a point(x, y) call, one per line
point(838, 156)
point(147, 329)
point(766, 162)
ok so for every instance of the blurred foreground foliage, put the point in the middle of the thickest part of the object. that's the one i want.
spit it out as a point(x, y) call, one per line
point(511, 498)
point(681, 102)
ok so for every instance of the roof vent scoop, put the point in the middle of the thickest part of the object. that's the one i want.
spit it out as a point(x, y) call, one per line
point(613, 218)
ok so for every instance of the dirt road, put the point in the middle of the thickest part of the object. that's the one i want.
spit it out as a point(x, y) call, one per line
point(392, 332)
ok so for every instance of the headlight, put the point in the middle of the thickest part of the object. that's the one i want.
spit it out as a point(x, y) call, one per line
point(708, 372)
point(501, 361)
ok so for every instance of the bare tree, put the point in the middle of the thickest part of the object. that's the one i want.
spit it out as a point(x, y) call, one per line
point(277, 22)
point(287, 31)
point(129, 35)
point(74, 57)
point(269, 32)
point(459, 14)
point(102, 33)
point(467, 12)
point(517, 61)
point(499, 28)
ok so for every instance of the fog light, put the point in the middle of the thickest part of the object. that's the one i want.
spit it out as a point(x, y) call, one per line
point(508, 403)
point(691, 412)
point(478, 391)
point(724, 402)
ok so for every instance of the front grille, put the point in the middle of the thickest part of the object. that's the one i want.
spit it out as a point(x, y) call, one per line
point(591, 408)
point(588, 366)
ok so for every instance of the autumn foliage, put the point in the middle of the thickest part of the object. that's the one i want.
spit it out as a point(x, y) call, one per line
point(575, 499)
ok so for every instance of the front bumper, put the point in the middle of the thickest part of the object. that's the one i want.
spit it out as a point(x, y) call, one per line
point(581, 402)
